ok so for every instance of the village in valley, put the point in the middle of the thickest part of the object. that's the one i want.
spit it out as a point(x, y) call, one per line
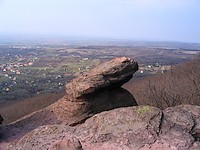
point(28, 70)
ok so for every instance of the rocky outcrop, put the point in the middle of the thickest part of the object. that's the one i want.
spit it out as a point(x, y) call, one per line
point(130, 128)
point(179, 129)
point(184, 118)
point(96, 91)
point(74, 112)
point(91, 93)
point(1, 119)
point(113, 73)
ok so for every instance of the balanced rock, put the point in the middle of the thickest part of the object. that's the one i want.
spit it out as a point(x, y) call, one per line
point(96, 91)
point(75, 112)
point(113, 73)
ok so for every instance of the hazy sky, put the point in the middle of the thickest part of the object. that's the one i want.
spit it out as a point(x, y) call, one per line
point(170, 20)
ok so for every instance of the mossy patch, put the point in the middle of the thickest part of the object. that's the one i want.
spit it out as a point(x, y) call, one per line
point(143, 109)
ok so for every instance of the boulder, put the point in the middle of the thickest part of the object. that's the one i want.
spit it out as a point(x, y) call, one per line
point(75, 112)
point(183, 117)
point(180, 128)
point(47, 137)
point(97, 90)
point(177, 117)
point(122, 128)
point(113, 73)
point(129, 128)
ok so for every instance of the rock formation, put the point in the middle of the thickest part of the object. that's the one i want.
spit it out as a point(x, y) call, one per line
point(113, 73)
point(93, 92)
point(75, 111)
point(130, 128)
point(96, 91)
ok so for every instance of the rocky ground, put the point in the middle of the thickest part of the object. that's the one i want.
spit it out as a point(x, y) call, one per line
point(96, 113)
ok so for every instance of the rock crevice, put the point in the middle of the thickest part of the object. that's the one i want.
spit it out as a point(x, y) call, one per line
point(1, 119)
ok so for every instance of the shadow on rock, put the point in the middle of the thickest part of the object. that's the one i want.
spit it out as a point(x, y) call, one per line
point(110, 99)
point(76, 111)
point(1, 119)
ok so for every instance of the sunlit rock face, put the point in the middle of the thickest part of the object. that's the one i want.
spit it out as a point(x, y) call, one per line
point(127, 128)
point(122, 128)
point(113, 73)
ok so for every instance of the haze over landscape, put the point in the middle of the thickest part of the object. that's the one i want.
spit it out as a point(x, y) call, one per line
point(151, 20)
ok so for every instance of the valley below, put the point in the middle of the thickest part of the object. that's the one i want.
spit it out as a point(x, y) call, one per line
point(28, 70)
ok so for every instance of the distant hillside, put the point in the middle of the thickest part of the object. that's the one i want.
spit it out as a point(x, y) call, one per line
point(12, 111)
point(180, 85)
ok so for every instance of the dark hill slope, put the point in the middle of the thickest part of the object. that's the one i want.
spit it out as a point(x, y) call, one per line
point(180, 85)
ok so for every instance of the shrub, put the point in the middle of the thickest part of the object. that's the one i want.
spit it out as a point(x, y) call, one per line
point(180, 85)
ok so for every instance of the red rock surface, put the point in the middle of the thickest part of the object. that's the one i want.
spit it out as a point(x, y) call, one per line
point(130, 128)
point(118, 128)
point(72, 112)
point(70, 144)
